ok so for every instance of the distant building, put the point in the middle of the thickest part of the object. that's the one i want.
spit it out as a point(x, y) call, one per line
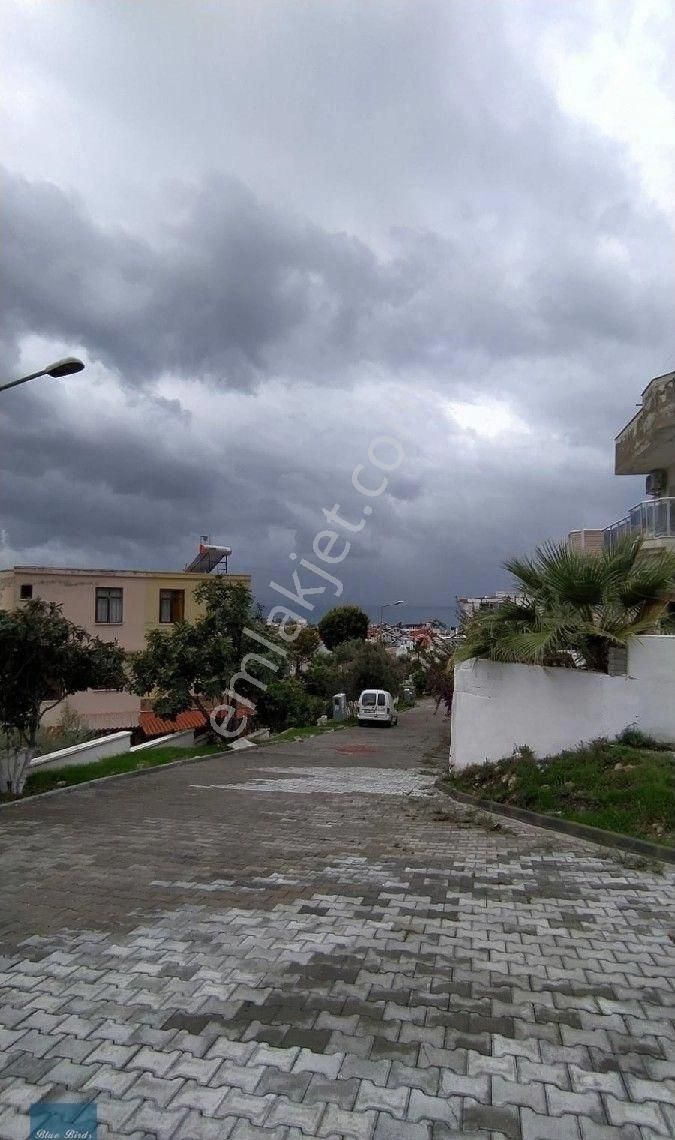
point(113, 605)
point(646, 446)
point(467, 607)
point(589, 540)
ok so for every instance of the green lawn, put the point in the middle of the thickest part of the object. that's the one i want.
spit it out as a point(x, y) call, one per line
point(46, 780)
point(311, 730)
point(611, 785)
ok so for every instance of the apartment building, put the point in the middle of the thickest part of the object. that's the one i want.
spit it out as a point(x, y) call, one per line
point(467, 607)
point(646, 446)
point(114, 605)
point(591, 540)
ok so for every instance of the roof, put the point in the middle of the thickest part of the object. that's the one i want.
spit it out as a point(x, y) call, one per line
point(102, 573)
point(154, 725)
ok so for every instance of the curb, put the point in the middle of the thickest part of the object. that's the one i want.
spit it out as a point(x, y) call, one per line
point(143, 772)
point(115, 776)
point(568, 827)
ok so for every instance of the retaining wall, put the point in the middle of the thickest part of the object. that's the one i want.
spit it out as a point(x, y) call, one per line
point(497, 707)
point(84, 753)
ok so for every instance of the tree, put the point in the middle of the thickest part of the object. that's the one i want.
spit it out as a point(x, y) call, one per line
point(369, 666)
point(44, 658)
point(305, 645)
point(344, 623)
point(324, 676)
point(191, 665)
point(574, 606)
point(437, 666)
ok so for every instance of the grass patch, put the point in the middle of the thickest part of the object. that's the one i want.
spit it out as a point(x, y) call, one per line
point(608, 784)
point(50, 778)
point(310, 730)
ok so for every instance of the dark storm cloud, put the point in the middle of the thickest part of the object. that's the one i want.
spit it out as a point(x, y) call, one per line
point(239, 291)
point(353, 201)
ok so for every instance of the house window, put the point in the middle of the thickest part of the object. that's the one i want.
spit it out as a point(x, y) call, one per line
point(108, 605)
point(26, 591)
point(171, 605)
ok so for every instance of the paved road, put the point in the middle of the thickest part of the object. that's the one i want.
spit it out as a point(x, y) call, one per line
point(307, 941)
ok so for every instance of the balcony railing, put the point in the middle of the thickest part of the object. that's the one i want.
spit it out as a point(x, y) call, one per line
point(654, 518)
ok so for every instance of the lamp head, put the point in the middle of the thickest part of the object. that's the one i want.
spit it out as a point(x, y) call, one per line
point(65, 367)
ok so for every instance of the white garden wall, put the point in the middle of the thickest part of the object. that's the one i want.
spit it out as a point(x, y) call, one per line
point(184, 739)
point(98, 749)
point(651, 666)
point(497, 707)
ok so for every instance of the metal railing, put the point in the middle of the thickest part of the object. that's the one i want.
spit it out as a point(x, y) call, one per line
point(653, 518)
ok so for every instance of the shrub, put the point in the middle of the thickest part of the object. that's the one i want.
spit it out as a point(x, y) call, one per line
point(634, 738)
point(69, 730)
point(286, 704)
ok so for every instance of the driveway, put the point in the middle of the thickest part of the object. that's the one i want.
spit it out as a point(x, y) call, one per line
point(305, 940)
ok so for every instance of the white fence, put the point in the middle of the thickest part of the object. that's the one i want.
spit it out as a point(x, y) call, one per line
point(111, 745)
point(184, 739)
point(497, 707)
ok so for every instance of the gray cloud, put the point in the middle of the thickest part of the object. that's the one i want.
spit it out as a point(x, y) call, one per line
point(267, 234)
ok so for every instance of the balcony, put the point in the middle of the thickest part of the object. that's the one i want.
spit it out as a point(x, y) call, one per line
point(647, 442)
point(654, 519)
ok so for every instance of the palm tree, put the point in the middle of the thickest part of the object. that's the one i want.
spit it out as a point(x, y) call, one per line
point(574, 606)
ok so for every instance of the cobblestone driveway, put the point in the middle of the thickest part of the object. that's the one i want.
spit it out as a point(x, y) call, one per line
point(306, 941)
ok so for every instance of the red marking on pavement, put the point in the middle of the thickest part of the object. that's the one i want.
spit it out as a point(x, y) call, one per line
point(356, 749)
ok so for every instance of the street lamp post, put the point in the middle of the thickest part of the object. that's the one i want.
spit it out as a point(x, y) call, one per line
point(64, 367)
point(386, 606)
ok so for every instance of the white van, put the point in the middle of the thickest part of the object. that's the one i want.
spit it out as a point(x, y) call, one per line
point(376, 706)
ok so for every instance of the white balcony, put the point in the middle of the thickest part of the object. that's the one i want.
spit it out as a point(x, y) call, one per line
point(654, 519)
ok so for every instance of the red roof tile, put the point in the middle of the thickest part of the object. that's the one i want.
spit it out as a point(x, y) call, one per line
point(153, 725)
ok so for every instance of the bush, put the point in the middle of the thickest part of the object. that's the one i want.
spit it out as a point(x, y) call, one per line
point(69, 730)
point(419, 677)
point(634, 738)
point(287, 704)
point(371, 667)
point(351, 668)
point(323, 678)
point(604, 783)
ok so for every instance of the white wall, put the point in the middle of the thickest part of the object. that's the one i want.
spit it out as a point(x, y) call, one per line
point(172, 740)
point(112, 745)
point(497, 707)
point(651, 666)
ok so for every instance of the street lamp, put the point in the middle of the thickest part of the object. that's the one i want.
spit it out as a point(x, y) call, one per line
point(386, 606)
point(64, 367)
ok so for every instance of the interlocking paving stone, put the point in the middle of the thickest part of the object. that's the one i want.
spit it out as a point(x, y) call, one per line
point(536, 1127)
point(423, 1107)
point(199, 1097)
point(340, 1092)
point(388, 1128)
point(292, 1085)
point(299, 943)
point(160, 1122)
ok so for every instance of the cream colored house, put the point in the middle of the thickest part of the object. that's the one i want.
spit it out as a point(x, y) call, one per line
point(114, 605)
point(646, 446)
point(588, 539)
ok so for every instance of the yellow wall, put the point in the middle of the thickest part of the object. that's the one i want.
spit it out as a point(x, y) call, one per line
point(75, 591)
point(186, 582)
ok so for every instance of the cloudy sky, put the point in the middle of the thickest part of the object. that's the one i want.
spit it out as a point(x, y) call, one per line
point(276, 230)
